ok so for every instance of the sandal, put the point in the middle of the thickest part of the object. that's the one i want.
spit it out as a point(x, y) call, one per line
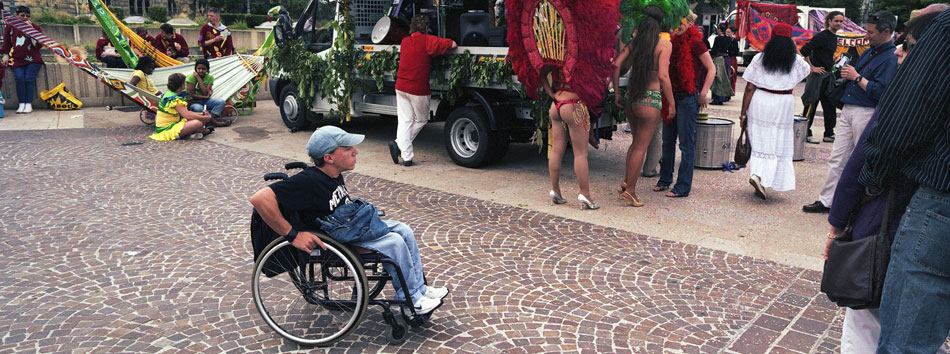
point(659, 188)
point(630, 200)
point(623, 188)
point(676, 195)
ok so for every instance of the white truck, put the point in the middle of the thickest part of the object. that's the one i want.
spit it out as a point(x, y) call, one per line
point(479, 125)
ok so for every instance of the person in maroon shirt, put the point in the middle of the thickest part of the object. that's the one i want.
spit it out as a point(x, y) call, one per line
point(214, 37)
point(170, 43)
point(112, 59)
point(142, 32)
point(24, 58)
point(412, 85)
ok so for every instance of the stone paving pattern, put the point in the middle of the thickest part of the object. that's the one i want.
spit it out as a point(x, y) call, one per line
point(110, 247)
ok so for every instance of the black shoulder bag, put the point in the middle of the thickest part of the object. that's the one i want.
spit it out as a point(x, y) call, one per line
point(854, 271)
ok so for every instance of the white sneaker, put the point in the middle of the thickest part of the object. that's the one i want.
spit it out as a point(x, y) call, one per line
point(196, 136)
point(27, 108)
point(20, 109)
point(425, 305)
point(436, 293)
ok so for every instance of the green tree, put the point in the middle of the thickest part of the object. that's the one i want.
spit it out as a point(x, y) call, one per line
point(902, 8)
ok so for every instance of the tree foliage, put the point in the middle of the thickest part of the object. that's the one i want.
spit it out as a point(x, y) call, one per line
point(902, 8)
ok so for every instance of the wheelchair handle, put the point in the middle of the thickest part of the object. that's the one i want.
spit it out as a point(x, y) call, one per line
point(275, 175)
point(293, 165)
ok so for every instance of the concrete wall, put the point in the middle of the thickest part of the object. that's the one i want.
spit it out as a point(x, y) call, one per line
point(83, 35)
point(85, 87)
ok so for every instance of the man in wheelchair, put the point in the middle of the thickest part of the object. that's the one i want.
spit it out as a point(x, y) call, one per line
point(318, 190)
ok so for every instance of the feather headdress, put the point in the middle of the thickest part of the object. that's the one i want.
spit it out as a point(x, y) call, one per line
point(632, 11)
point(574, 36)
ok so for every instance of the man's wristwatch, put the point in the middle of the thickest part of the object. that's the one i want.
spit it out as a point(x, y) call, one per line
point(858, 79)
point(291, 235)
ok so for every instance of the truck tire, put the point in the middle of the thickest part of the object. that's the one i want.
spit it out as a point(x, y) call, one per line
point(292, 111)
point(468, 138)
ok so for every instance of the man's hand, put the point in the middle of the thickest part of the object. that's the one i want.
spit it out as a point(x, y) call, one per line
point(177, 46)
point(818, 70)
point(702, 99)
point(306, 242)
point(617, 101)
point(848, 73)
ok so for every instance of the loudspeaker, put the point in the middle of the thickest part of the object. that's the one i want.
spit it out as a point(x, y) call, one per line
point(473, 27)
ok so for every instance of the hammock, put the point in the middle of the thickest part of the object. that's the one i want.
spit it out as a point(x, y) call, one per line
point(231, 74)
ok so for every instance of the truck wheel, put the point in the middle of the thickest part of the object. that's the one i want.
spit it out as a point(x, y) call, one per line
point(468, 139)
point(292, 110)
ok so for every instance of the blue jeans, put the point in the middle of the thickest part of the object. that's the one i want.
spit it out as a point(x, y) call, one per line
point(2, 101)
point(214, 106)
point(25, 77)
point(915, 307)
point(684, 128)
point(400, 245)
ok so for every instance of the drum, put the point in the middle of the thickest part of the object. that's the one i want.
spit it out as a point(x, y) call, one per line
point(801, 130)
point(714, 142)
point(389, 30)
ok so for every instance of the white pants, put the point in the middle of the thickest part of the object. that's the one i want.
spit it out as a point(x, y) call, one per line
point(413, 114)
point(862, 329)
point(851, 124)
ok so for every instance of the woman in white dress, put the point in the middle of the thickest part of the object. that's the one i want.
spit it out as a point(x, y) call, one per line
point(768, 111)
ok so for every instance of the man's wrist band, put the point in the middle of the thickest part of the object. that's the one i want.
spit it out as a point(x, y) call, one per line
point(291, 235)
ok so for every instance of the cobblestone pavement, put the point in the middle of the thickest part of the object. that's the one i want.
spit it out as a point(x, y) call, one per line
point(114, 246)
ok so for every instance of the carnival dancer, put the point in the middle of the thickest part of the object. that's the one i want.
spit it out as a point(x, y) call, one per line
point(691, 74)
point(648, 57)
point(573, 41)
point(768, 110)
point(214, 37)
point(22, 54)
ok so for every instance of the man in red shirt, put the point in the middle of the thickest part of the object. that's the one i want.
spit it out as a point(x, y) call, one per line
point(412, 85)
point(214, 37)
point(170, 43)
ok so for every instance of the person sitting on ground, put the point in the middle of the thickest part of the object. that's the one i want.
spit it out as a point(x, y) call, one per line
point(170, 43)
point(200, 92)
point(318, 190)
point(173, 120)
point(140, 77)
point(105, 52)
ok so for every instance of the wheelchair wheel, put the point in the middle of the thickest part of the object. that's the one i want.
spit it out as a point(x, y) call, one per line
point(314, 299)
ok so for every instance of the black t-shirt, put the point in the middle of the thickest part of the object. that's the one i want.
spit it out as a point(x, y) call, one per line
point(312, 194)
point(821, 49)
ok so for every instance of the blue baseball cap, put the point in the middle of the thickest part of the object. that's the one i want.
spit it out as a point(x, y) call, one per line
point(328, 138)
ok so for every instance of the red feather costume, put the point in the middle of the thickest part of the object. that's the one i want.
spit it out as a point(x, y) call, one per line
point(684, 75)
point(585, 45)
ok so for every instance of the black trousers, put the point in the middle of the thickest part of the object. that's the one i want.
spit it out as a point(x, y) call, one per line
point(113, 62)
point(828, 108)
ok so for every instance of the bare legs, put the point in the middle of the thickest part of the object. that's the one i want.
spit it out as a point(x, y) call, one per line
point(559, 137)
point(642, 120)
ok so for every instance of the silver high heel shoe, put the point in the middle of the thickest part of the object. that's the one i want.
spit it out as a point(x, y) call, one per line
point(586, 204)
point(556, 198)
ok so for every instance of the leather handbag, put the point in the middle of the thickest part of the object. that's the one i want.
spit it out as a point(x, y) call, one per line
point(854, 272)
point(743, 148)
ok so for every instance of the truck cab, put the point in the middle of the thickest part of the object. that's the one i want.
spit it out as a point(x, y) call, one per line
point(480, 122)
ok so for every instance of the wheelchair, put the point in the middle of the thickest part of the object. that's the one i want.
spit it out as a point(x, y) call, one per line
point(319, 298)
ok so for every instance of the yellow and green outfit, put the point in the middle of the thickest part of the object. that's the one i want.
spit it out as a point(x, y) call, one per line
point(168, 122)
